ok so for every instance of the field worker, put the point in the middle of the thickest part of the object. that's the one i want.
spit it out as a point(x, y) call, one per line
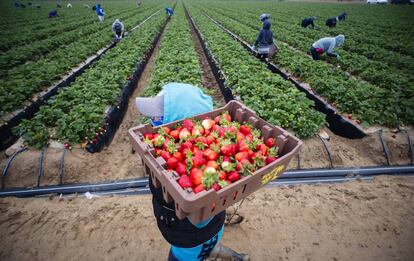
point(169, 11)
point(189, 241)
point(16, 5)
point(22, 5)
point(38, 6)
point(100, 12)
point(264, 17)
point(331, 22)
point(309, 21)
point(267, 47)
point(53, 14)
point(118, 29)
point(29, 3)
point(69, 5)
point(342, 16)
point(58, 6)
point(327, 45)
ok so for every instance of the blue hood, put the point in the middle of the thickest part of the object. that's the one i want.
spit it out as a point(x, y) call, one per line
point(184, 100)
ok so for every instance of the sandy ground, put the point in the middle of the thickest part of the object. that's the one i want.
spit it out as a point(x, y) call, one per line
point(352, 221)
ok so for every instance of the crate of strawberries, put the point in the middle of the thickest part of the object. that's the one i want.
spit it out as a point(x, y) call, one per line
point(210, 161)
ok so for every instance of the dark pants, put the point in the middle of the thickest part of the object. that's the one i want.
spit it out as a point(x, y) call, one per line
point(315, 54)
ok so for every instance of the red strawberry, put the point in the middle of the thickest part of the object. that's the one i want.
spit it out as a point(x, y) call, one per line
point(165, 155)
point(270, 142)
point(244, 164)
point(222, 175)
point(188, 124)
point(249, 138)
point(263, 149)
point(178, 155)
point(181, 169)
point(199, 188)
point(175, 134)
point(227, 117)
point(172, 163)
point(215, 127)
point(227, 148)
point(233, 176)
point(198, 161)
point(196, 176)
point(245, 129)
point(270, 159)
point(226, 158)
point(242, 155)
point(166, 130)
point(242, 146)
point(210, 154)
point(184, 134)
point(207, 123)
point(240, 136)
point(209, 140)
point(187, 145)
point(148, 136)
point(216, 187)
point(213, 164)
point(185, 182)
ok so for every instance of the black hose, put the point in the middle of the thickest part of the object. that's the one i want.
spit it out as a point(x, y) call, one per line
point(8, 163)
point(410, 148)
point(384, 147)
point(298, 159)
point(327, 151)
point(62, 167)
point(40, 168)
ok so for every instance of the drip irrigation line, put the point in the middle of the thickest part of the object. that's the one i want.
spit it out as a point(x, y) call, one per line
point(298, 159)
point(290, 177)
point(40, 167)
point(327, 151)
point(62, 167)
point(8, 163)
point(384, 147)
point(410, 148)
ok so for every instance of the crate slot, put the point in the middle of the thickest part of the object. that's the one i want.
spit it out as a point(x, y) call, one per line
point(281, 141)
point(253, 121)
point(244, 188)
point(235, 194)
point(224, 201)
point(213, 206)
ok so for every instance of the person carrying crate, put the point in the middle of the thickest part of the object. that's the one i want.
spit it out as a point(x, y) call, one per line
point(309, 21)
point(100, 12)
point(189, 241)
point(326, 44)
point(266, 46)
point(118, 29)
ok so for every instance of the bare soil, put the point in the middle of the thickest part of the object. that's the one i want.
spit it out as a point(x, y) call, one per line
point(352, 221)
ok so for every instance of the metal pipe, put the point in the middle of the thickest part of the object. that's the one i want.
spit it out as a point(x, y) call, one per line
point(8, 163)
point(298, 159)
point(291, 177)
point(40, 167)
point(62, 166)
point(410, 148)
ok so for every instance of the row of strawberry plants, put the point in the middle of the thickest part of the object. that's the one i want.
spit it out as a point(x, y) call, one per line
point(369, 103)
point(374, 72)
point(175, 62)
point(36, 49)
point(77, 113)
point(28, 79)
point(270, 96)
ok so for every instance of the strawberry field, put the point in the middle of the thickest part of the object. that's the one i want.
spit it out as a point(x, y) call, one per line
point(203, 44)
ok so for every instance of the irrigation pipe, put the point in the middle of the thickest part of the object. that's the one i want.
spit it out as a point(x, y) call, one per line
point(384, 147)
point(8, 163)
point(410, 148)
point(62, 167)
point(40, 166)
point(291, 177)
point(327, 151)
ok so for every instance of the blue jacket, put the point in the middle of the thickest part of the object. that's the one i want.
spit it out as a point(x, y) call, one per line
point(99, 10)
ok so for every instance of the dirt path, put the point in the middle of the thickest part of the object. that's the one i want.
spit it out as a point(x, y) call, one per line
point(353, 221)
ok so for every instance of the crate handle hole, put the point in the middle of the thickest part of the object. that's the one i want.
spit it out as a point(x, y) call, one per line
point(235, 195)
point(224, 202)
point(213, 207)
point(176, 206)
point(244, 188)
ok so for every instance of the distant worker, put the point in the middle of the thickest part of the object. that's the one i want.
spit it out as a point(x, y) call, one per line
point(342, 16)
point(118, 29)
point(53, 14)
point(69, 5)
point(58, 6)
point(29, 3)
point(38, 6)
point(309, 21)
point(94, 7)
point(169, 11)
point(327, 44)
point(264, 17)
point(331, 22)
point(22, 5)
point(100, 12)
point(267, 47)
point(16, 5)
